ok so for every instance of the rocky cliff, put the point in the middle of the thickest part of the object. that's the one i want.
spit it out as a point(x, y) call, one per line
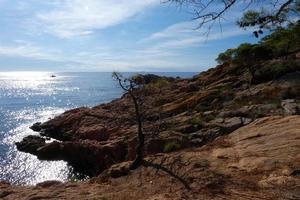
point(258, 161)
point(178, 114)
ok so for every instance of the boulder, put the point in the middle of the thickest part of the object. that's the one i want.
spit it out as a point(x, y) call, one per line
point(290, 107)
point(36, 127)
point(197, 142)
point(187, 128)
point(246, 120)
point(31, 144)
point(231, 124)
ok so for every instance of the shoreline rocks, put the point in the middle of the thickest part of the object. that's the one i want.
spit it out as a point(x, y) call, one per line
point(31, 144)
point(258, 161)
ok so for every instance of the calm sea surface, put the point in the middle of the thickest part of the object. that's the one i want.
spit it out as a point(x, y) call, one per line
point(29, 97)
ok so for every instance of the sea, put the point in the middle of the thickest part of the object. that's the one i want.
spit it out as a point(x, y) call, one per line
point(29, 97)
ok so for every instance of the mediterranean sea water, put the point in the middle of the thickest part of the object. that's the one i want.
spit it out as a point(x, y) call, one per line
point(29, 97)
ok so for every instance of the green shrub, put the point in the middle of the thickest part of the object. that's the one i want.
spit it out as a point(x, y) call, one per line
point(226, 57)
point(196, 121)
point(279, 44)
point(159, 83)
point(271, 71)
point(171, 146)
point(209, 117)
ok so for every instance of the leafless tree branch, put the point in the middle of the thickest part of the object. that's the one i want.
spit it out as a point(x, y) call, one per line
point(207, 11)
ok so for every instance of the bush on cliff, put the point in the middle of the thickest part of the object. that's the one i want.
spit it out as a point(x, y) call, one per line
point(280, 45)
point(273, 70)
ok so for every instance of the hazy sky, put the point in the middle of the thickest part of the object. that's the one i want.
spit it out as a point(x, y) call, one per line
point(108, 35)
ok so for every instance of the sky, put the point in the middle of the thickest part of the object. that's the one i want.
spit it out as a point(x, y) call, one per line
point(110, 35)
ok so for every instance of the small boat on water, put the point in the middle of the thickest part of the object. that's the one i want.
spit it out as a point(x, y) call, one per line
point(52, 76)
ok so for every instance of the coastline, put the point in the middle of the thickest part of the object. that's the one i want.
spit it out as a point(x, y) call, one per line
point(208, 121)
point(93, 139)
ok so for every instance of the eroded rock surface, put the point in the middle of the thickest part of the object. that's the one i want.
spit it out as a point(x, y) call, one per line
point(253, 162)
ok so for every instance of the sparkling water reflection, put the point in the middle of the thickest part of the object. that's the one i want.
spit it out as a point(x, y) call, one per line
point(29, 97)
point(22, 168)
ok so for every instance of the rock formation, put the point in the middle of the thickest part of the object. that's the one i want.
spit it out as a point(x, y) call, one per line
point(258, 161)
point(191, 112)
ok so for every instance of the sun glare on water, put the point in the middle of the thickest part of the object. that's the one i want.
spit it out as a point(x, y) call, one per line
point(25, 79)
point(24, 84)
point(26, 98)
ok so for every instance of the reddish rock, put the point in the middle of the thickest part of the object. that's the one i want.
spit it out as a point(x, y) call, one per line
point(93, 132)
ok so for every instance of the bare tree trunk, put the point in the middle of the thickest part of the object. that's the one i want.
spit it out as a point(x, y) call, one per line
point(129, 86)
point(141, 138)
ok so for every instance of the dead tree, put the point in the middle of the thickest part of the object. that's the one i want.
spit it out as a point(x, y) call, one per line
point(134, 89)
point(130, 86)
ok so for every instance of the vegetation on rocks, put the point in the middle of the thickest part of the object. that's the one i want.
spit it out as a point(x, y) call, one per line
point(270, 58)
